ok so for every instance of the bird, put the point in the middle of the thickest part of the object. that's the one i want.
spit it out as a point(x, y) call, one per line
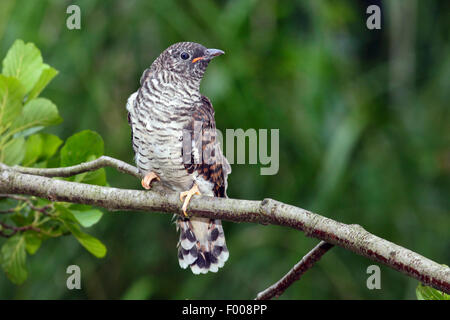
point(173, 134)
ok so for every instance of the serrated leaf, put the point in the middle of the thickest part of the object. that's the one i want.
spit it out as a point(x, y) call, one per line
point(14, 152)
point(38, 112)
point(48, 73)
point(13, 258)
point(429, 293)
point(93, 245)
point(11, 97)
point(32, 241)
point(33, 149)
point(24, 62)
point(87, 218)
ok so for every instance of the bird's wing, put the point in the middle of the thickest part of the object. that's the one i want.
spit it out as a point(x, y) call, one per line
point(206, 157)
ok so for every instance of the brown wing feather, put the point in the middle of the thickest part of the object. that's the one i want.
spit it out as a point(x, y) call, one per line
point(213, 166)
point(202, 241)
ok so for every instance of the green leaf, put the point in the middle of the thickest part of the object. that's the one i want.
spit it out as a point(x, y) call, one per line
point(32, 241)
point(13, 258)
point(97, 177)
point(82, 214)
point(51, 144)
point(27, 132)
point(53, 162)
point(37, 113)
point(65, 213)
point(48, 73)
point(40, 147)
point(91, 244)
point(81, 147)
point(87, 218)
point(33, 149)
point(11, 97)
point(24, 62)
point(14, 152)
point(428, 293)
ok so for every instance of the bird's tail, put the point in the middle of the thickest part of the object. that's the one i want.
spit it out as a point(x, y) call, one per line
point(202, 244)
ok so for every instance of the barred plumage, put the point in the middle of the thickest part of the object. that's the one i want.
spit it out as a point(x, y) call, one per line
point(164, 115)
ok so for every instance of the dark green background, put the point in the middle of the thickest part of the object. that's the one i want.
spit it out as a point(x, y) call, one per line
point(364, 135)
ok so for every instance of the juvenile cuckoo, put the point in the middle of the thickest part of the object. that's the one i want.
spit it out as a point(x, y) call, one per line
point(174, 139)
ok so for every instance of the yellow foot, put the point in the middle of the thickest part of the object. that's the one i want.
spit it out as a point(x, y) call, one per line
point(188, 194)
point(147, 181)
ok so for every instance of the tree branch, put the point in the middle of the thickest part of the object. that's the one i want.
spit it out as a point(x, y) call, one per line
point(268, 211)
point(103, 161)
point(296, 272)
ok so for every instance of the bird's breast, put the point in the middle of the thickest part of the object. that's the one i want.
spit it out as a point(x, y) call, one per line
point(158, 136)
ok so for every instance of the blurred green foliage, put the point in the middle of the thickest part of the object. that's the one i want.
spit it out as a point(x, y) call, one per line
point(364, 135)
point(428, 293)
point(27, 221)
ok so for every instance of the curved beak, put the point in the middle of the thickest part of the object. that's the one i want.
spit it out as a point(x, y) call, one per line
point(209, 55)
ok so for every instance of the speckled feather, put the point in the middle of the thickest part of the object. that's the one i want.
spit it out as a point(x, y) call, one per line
point(164, 115)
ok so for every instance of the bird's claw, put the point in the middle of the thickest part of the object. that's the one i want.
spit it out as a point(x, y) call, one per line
point(188, 195)
point(147, 181)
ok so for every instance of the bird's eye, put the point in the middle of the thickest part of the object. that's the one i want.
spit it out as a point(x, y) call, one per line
point(184, 55)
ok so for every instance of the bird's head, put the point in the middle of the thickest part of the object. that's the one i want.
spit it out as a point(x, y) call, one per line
point(187, 59)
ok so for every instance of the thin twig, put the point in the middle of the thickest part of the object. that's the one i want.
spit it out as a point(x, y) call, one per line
point(7, 211)
point(103, 161)
point(268, 211)
point(4, 235)
point(296, 272)
point(42, 209)
point(14, 197)
point(14, 229)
